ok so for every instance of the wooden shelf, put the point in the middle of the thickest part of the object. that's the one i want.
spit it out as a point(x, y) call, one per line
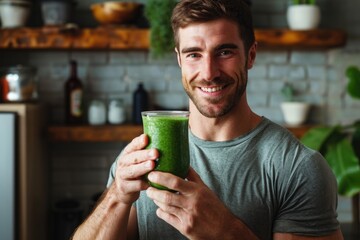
point(121, 38)
point(87, 38)
point(113, 133)
point(86, 133)
point(319, 38)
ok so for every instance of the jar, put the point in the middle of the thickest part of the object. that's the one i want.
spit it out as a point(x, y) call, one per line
point(97, 112)
point(116, 113)
point(19, 84)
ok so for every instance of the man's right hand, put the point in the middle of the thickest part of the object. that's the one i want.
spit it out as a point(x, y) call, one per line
point(133, 163)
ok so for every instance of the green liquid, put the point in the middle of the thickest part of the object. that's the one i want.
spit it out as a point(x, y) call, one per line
point(169, 134)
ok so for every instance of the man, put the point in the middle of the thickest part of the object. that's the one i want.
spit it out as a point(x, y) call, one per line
point(250, 178)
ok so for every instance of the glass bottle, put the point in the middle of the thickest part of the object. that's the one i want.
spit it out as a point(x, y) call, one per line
point(73, 97)
point(140, 103)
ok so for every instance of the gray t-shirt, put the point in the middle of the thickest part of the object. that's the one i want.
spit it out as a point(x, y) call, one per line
point(266, 178)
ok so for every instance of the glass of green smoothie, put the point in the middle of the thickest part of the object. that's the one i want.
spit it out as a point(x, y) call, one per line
point(168, 132)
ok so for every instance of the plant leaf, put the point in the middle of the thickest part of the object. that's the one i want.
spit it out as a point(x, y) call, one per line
point(317, 136)
point(353, 87)
point(345, 165)
point(356, 140)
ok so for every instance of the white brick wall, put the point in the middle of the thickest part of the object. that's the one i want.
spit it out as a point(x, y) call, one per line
point(80, 173)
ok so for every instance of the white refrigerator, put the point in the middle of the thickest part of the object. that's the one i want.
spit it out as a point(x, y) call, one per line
point(7, 175)
point(23, 173)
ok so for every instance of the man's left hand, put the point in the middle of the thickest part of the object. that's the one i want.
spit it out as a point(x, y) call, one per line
point(193, 209)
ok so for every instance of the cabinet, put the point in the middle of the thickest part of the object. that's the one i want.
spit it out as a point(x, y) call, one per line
point(31, 205)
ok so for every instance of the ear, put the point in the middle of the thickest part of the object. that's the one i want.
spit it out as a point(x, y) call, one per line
point(251, 55)
point(178, 57)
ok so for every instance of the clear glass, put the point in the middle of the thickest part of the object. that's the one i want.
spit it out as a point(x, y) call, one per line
point(168, 132)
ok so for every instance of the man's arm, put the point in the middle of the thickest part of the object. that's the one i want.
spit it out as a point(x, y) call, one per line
point(114, 217)
point(337, 235)
point(109, 220)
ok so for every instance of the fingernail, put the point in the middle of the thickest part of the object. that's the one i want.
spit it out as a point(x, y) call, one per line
point(148, 192)
point(152, 153)
point(151, 176)
point(149, 164)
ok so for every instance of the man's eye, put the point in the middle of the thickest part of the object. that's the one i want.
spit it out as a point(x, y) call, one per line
point(192, 55)
point(224, 52)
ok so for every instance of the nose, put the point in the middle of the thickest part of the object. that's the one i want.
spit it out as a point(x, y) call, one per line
point(210, 68)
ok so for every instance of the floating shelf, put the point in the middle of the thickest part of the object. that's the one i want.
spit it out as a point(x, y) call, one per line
point(121, 38)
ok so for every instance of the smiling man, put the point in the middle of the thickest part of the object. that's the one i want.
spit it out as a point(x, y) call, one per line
point(249, 178)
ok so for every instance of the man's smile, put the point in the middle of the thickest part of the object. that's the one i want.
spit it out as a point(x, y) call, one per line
point(211, 89)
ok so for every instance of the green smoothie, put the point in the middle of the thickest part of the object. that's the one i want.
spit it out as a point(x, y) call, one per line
point(168, 132)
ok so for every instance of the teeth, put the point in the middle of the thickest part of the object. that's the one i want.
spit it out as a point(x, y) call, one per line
point(214, 89)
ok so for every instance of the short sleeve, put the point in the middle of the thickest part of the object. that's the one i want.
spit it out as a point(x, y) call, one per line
point(308, 207)
point(112, 172)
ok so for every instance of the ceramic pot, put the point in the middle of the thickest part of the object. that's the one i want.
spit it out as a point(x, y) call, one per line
point(97, 112)
point(303, 17)
point(295, 113)
point(55, 12)
point(14, 13)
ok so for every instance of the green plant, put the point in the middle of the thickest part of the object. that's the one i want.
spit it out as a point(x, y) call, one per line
point(288, 92)
point(297, 2)
point(158, 13)
point(340, 144)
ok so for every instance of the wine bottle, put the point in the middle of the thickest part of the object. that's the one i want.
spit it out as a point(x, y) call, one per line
point(73, 97)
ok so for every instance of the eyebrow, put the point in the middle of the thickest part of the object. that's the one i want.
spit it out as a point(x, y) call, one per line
point(220, 47)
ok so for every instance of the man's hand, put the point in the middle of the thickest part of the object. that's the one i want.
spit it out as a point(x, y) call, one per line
point(133, 163)
point(194, 210)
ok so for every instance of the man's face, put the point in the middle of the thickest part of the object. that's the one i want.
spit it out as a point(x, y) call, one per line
point(213, 65)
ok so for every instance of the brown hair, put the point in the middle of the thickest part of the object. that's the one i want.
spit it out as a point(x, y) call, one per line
point(196, 11)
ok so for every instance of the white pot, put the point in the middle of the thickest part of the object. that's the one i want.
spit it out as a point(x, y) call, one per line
point(14, 13)
point(295, 113)
point(303, 17)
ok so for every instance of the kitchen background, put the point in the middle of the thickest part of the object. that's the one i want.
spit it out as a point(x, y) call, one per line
point(80, 170)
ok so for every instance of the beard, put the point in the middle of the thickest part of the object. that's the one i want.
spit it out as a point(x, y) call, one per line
point(214, 107)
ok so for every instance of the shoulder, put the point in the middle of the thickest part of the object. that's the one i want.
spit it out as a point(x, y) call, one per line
point(289, 158)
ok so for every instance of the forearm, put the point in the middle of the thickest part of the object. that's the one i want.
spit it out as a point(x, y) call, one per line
point(238, 230)
point(109, 220)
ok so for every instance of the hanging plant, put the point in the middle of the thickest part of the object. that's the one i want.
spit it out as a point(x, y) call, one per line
point(158, 13)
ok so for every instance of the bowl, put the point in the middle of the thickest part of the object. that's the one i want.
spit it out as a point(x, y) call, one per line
point(14, 13)
point(115, 12)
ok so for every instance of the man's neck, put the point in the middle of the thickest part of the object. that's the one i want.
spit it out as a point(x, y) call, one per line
point(232, 125)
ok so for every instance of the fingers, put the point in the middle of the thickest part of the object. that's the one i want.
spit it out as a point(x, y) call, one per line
point(168, 180)
point(136, 161)
point(133, 163)
point(137, 170)
point(193, 176)
point(165, 198)
point(137, 143)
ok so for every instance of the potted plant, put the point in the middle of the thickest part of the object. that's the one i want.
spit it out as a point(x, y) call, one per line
point(340, 146)
point(303, 15)
point(158, 13)
point(295, 112)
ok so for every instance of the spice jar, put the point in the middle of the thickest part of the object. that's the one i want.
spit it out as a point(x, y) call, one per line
point(97, 112)
point(116, 113)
